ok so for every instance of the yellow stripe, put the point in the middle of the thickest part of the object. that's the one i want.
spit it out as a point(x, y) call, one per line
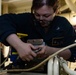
point(14, 53)
point(20, 35)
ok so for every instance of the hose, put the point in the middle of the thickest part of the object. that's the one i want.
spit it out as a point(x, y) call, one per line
point(44, 61)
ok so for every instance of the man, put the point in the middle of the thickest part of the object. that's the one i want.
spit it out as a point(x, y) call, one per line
point(42, 23)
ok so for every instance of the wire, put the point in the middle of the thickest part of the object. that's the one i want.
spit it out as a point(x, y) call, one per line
point(44, 61)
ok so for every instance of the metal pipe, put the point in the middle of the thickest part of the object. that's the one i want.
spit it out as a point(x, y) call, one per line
point(71, 5)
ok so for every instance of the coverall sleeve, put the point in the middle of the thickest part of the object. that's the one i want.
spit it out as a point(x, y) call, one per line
point(70, 37)
point(11, 24)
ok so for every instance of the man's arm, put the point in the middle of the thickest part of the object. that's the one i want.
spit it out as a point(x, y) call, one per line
point(24, 49)
point(47, 51)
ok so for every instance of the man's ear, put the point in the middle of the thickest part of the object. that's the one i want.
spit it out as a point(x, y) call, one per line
point(57, 11)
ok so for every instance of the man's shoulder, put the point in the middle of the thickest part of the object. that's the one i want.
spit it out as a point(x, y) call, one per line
point(25, 14)
point(61, 18)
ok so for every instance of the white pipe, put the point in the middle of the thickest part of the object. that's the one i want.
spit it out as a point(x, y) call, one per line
point(68, 71)
point(66, 68)
point(53, 66)
point(11, 1)
point(65, 6)
point(50, 67)
point(0, 6)
point(56, 66)
point(6, 51)
point(71, 5)
point(0, 14)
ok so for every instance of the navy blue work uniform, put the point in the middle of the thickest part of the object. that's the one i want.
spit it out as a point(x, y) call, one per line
point(59, 34)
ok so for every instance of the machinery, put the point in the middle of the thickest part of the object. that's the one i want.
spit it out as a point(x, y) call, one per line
point(17, 62)
point(55, 66)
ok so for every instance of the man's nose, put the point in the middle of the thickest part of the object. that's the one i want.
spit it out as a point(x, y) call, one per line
point(41, 18)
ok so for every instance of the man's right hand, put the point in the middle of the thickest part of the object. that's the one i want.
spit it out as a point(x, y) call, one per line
point(25, 51)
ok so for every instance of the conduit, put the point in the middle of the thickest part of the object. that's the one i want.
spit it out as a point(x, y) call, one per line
point(71, 5)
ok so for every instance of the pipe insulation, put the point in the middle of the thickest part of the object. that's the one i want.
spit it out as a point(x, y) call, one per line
point(71, 5)
point(0, 6)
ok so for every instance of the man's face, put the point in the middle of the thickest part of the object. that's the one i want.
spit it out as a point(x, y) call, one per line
point(44, 15)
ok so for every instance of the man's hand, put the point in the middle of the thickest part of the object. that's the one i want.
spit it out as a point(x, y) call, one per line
point(47, 51)
point(25, 51)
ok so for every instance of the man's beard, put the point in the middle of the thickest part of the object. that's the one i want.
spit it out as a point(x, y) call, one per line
point(44, 23)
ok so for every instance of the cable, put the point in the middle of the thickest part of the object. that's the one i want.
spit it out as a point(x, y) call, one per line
point(44, 61)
